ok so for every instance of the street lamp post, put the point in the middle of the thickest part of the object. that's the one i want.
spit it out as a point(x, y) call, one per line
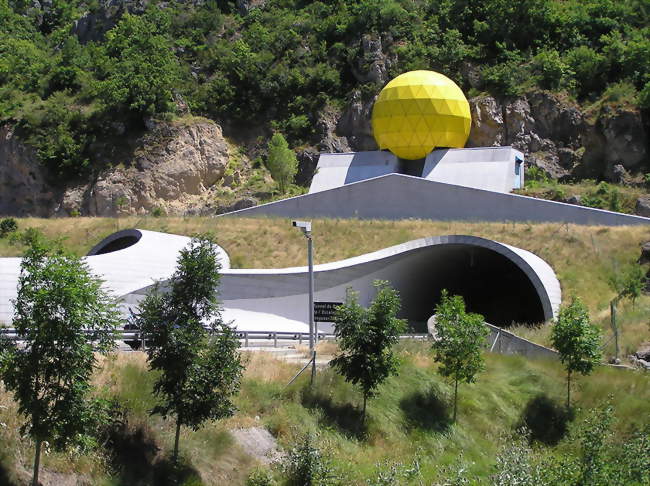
point(305, 226)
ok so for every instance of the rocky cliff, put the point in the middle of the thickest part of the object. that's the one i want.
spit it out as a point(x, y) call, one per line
point(554, 134)
point(182, 167)
point(173, 170)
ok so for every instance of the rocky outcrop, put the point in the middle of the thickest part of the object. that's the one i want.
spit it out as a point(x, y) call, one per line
point(24, 186)
point(559, 138)
point(172, 172)
point(372, 65)
point(355, 124)
point(245, 6)
point(643, 206)
point(553, 133)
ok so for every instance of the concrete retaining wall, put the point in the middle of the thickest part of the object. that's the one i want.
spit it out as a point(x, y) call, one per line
point(504, 342)
point(398, 196)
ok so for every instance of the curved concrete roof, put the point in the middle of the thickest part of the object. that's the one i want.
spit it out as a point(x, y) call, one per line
point(284, 289)
point(131, 261)
point(148, 257)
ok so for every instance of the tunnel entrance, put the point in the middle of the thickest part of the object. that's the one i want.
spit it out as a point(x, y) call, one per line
point(115, 242)
point(491, 284)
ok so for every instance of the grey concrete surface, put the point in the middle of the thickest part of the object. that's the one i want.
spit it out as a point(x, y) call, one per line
point(504, 342)
point(335, 170)
point(398, 196)
point(488, 168)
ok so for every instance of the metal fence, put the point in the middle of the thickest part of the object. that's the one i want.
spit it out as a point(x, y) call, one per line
point(138, 340)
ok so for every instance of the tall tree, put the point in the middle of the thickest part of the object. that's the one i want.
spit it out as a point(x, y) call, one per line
point(366, 337)
point(187, 341)
point(62, 316)
point(577, 341)
point(281, 162)
point(459, 342)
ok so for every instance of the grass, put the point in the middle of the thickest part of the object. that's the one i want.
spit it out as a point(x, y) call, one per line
point(409, 417)
point(582, 256)
point(591, 193)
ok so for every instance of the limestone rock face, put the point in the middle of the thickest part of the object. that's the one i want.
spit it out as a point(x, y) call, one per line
point(355, 124)
point(487, 123)
point(173, 171)
point(557, 137)
point(372, 66)
point(24, 188)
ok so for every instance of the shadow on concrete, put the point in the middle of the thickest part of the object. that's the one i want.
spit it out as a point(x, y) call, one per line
point(343, 416)
point(546, 419)
point(426, 410)
point(136, 459)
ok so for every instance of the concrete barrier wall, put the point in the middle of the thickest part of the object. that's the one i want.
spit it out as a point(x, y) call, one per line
point(504, 342)
point(398, 196)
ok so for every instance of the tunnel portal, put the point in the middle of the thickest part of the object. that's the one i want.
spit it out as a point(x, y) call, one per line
point(491, 284)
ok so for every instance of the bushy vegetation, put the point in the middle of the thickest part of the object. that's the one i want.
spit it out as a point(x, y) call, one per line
point(280, 64)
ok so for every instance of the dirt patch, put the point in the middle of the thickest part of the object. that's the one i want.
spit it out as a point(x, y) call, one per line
point(259, 443)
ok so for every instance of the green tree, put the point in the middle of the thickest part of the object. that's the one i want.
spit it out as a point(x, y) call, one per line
point(62, 316)
point(281, 162)
point(459, 341)
point(366, 337)
point(140, 70)
point(200, 368)
point(577, 341)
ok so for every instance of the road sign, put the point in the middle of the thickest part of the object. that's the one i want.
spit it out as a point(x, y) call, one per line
point(324, 311)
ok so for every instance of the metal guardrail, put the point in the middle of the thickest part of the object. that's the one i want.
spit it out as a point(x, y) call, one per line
point(139, 339)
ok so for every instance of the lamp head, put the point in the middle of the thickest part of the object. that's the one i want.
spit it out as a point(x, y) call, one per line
point(305, 226)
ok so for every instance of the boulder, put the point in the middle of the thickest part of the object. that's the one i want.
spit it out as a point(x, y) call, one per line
point(643, 352)
point(642, 207)
point(645, 253)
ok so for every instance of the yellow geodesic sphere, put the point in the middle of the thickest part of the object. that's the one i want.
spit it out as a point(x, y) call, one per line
point(419, 111)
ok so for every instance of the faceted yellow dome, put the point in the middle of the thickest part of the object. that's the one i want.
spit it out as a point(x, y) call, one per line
point(419, 111)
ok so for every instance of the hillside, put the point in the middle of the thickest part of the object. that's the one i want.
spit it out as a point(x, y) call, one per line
point(408, 426)
point(274, 243)
point(91, 93)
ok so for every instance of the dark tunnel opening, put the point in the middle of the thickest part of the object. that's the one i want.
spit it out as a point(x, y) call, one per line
point(118, 244)
point(490, 283)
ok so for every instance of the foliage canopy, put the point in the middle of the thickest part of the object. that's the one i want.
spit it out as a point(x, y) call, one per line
point(62, 316)
point(196, 353)
point(459, 341)
point(366, 337)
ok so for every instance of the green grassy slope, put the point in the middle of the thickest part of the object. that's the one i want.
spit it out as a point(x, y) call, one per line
point(410, 417)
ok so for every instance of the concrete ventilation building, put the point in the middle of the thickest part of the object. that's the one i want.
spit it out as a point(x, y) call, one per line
point(421, 121)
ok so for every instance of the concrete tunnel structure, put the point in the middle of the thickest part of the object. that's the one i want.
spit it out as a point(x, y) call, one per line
point(502, 282)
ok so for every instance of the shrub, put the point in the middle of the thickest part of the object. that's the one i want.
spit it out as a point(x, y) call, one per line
point(552, 71)
point(260, 477)
point(158, 212)
point(305, 465)
point(8, 225)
